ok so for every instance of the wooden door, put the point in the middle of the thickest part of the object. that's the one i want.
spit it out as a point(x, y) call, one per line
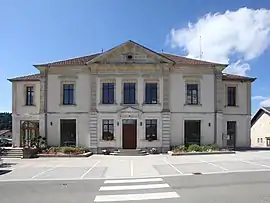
point(129, 133)
point(231, 132)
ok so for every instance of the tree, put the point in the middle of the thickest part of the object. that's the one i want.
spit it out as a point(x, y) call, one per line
point(5, 121)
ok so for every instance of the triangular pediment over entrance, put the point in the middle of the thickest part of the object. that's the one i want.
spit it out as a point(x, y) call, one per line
point(131, 53)
point(129, 109)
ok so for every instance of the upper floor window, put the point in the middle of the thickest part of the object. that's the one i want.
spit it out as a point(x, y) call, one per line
point(231, 96)
point(107, 93)
point(192, 94)
point(151, 93)
point(29, 95)
point(68, 94)
point(151, 129)
point(129, 93)
point(107, 129)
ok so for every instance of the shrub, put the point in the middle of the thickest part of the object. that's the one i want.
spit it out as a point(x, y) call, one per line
point(181, 148)
point(213, 147)
point(195, 148)
point(67, 150)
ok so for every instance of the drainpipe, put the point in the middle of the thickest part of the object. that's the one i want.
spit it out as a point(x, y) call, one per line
point(215, 107)
point(45, 102)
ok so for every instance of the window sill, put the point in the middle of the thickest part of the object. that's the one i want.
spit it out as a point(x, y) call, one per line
point(192, 104)
point(135, 104)
point(114, 140)
point(228, 106)
point(154, 104)
point(150, 141)
point(67, 105)
point(102, 104)
point(28, 105)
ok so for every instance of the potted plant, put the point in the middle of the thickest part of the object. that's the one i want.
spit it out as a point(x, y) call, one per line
point(149, 137)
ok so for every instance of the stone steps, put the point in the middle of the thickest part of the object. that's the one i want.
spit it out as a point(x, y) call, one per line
point(129, 152)
point(12, 153)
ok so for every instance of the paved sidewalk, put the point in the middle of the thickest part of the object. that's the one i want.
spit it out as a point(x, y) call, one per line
point(115, 167)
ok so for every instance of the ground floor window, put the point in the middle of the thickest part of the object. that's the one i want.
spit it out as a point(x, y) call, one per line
point(151, 129)
point(29, 133)
point(68, 132)
point(107, 129)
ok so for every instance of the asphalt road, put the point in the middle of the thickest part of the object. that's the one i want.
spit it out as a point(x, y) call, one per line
point(253, 187)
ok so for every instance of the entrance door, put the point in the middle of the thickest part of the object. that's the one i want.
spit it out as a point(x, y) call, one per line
point(231, 132)
point(268, 141)
point(68, 132)
point(129, 134)
point(192, 130)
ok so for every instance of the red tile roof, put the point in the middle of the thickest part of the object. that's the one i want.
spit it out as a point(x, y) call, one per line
point(33, 77)
point(177, 59)
point(225, 76)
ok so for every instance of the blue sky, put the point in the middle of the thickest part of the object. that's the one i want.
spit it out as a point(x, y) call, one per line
point(43, 31)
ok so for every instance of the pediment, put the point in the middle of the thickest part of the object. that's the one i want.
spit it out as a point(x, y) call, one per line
point(129, 109)
point(130, 53)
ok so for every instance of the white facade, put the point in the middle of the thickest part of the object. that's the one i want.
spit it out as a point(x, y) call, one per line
point(170, 110)
point(260, 129)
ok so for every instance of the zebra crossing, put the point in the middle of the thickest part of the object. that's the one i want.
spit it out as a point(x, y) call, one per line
point(135, 190)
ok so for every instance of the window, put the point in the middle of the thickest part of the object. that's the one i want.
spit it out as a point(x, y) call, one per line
point(30, 96)
point(129, 93)
point(107, 93)
point(107, 129)
point(258, 140)
point(261, 140)
point(68, 94)
point(192, 94)
point(151, 93)
point(151, 129)
point(231, 96)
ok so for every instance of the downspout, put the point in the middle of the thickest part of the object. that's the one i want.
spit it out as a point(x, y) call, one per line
point(215, 107)
point(46, 103)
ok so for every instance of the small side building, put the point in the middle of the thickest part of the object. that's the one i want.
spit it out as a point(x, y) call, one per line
point(260, 128)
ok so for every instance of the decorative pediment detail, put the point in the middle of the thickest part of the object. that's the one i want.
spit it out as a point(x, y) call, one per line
point(131, 53)
point(129, 109)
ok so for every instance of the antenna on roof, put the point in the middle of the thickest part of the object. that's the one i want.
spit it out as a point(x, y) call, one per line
point(161, 50)
point(201, 47)
point(101, 50)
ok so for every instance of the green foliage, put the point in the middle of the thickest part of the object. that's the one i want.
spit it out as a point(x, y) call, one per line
point(66, 150)
point(181, 148)
point(194, 147)
point(5, 121)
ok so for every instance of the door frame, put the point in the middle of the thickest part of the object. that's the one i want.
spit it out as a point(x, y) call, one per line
point(137, 130)
point(192, 119)
point(59, 128)
point(235, 133)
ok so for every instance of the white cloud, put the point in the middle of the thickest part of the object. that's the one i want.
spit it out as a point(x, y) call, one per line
point(244, 34)
point(265, 101)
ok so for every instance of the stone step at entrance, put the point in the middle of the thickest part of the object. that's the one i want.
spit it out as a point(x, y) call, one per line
point(129, 152)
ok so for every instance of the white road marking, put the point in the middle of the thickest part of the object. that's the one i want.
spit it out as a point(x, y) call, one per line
point(142, 196)
point(45, 171)
point(133, 187)
point(215, 165)
point(167, 162)
point(89, 170)
point(134, 180)
point(131, 168)
point(255, 163)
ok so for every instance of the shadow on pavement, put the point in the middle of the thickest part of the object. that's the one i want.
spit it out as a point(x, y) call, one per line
point(3, 172)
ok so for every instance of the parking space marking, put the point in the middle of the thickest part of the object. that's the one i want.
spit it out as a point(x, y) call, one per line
point(45, 171)
point(167, 162)
point(134, 180)
point(255, 163)
point(131, 168)
point(89, 169)
point(215, 165)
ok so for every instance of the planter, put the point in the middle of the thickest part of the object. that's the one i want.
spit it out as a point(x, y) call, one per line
point(87, 154)
point(199, 153)
point(30, 153)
